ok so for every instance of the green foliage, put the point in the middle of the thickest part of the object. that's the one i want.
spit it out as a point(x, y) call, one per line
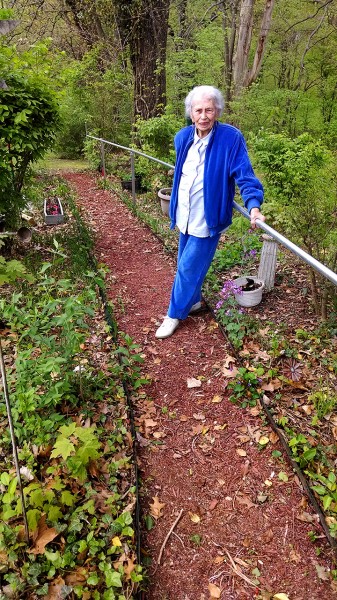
point(95, 99)
point(75, 468)
point(29, 120)
point(156, 134)
point(246, 386)
point(301, 186)
point(11, 270)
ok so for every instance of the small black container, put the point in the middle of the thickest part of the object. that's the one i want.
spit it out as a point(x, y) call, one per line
point(127, 184)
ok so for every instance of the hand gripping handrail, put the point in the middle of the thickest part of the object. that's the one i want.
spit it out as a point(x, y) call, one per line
point(302, 254)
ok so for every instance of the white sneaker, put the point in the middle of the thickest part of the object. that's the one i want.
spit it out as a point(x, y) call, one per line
point(195, 307)
point(167, 327)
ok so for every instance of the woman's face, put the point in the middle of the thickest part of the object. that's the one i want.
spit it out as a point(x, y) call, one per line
point(203, 114)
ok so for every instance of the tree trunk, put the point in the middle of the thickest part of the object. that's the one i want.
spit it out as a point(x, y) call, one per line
point(253, 73)
point(243, 75)
point(244, 38)
point(148, 57)
point(230, 15)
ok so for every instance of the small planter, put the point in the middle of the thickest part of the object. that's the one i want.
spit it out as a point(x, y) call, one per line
point(252, 289)
point(165, 195)
point(53, 211)
point(127, 184)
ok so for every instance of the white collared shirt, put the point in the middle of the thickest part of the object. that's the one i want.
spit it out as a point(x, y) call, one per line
point(190, 210)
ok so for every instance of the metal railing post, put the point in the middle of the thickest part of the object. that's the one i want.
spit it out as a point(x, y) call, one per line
point(133, 180)
point(103, 159)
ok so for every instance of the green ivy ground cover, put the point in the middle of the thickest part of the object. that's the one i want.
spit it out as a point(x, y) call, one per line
point(66, 377)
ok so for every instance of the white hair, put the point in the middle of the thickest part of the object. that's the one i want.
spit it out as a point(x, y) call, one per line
point(204, 91)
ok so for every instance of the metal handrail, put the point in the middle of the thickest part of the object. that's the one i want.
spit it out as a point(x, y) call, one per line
point(310, 260)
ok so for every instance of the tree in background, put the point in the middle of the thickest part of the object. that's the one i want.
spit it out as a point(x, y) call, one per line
point(29, 118)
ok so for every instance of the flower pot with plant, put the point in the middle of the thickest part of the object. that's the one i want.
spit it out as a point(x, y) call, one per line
point(53, 211)
point(164, 196)
point(251, 289)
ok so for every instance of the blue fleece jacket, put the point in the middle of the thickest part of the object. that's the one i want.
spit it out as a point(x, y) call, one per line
point(226, 164)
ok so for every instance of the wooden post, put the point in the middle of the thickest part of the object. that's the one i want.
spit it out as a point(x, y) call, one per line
point(268, 261)
point(103, 160)
point(133, 180)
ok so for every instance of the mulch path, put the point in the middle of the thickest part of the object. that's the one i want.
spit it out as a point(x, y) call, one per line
point(198, 455)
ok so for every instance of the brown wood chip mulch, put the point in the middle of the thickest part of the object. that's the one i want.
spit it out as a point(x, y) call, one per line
point(242, 532)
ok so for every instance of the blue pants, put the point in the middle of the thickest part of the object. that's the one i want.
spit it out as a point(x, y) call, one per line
point(194, 259)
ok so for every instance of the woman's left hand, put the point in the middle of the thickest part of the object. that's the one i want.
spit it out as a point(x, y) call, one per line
point(255, 213)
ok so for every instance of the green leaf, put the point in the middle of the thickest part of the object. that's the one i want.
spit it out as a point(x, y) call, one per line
point(113, 579)
point(5, 478)
point(319, 489)
point(326, 502)
point(63, 448)
point(283, 476)
point(149, 522)
point(93, 579)
point(67, 498)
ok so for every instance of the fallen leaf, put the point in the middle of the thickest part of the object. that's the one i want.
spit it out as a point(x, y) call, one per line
point(116, 541)
point(263, 440)
point(230, 373)
point(245, 468)
point(194, 517)
point(214, 590)
point(255, 411)
point(150, 423)
point(219, 560)
point(213, 504)
point(193, 383)
point(77, 577)
point(245, 500)
point(55, 589)
point(199, 417)
point(273, 437)
point(294, 556)
point(43, 536)
point(306, 517)
point(159, 434)
point(322, 572)
point(280, 597)
point(156, 507)
point(244, 438)
point(217, 399)
point(241, 452)
point(229, 361)
point(220, 427)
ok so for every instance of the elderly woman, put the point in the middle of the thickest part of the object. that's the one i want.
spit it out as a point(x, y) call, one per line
point(211, 157)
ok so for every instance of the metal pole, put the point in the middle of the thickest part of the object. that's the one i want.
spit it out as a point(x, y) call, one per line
point(14, 446)
point(103, 159)
point(310, 260)
point(133, 181)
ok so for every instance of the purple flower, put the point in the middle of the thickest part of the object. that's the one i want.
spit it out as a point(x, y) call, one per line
point(219, 304)
point(252, 253)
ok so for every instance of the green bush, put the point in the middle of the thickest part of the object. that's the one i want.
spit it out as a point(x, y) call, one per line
point(29, 119)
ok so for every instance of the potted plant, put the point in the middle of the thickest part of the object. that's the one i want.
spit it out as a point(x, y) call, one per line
point(165, 195)
point(53, 211)
point(251, 289)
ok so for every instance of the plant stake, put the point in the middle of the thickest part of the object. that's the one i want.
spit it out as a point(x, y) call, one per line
point(15, 450)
